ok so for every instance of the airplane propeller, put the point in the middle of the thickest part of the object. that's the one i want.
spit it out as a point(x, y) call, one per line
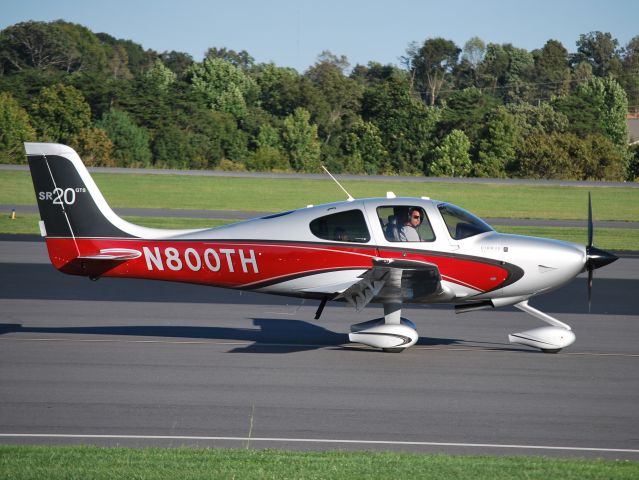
point(595, 257)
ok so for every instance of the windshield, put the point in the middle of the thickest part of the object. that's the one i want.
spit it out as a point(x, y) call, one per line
point(460, 223)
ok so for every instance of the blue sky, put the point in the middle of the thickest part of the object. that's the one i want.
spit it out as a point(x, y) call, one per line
point(292, 33)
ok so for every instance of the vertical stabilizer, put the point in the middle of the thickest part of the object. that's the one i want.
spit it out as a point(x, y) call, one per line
point(69, 201)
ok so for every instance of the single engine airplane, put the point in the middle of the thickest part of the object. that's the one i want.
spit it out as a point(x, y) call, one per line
point(389, 250)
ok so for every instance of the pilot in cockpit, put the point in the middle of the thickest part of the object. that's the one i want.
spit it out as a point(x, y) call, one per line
point(409, 232)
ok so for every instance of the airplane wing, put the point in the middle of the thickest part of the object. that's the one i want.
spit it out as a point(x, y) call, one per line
point(394, 280)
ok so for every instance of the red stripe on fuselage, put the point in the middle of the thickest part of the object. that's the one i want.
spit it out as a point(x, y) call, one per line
point(481, 276)
point(236, 264)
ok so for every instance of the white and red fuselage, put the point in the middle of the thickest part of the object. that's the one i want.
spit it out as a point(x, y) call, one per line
point(350, 250)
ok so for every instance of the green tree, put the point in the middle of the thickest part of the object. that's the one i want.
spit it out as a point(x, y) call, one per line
point(466, 72)
point(85, 52)
point(339, 97)
point(629, 80)
point(582, 114)
point(607, 161)
point(597, 106)
point(100, 93)
point(558, 155)
point(160, 76)
point(57, 45)
point(375, 73)
point(519, 74)
point(59, 113)
point(118, 62)
point(227, 88)
point(452, 158)
point(36, 45)
point(537, 119)
point(15, 128)
point(269, 159)
point(632, 171)
point(466, 110)
point(567, 156)
point(406, 125)
point(611, 105)
point(94, 147)
point(241, 59)
point(281, 89)
point(268, 136)
point(530, 120)
point(171, 148)
point(214, 136)
point(582, 72)
point(552, 71)
point(433, 63)
point(364, 147)
point(138, 60)
point(492, 70)
point(301, 142)
point(474, 51)
point(601, 51)
point(497, 147)
point(131, 142)
point(177, 62)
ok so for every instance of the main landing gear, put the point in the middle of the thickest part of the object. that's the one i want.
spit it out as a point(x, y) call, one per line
point(391, 333)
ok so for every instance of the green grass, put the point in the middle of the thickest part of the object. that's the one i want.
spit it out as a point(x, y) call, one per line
point(606, 238)
point(52, 463)
point(28, 223)
point(267, 194)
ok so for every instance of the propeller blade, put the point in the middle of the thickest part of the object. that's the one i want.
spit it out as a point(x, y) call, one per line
point(589, 221)
point(589, 289)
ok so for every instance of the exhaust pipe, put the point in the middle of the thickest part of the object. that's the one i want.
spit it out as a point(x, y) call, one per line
point(471, 307)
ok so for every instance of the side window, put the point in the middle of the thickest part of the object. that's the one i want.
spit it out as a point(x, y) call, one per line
point(460, 223)
point(404, 223)
point(348, 226)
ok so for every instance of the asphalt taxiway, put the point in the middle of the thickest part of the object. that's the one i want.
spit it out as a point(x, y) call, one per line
point(132, 362)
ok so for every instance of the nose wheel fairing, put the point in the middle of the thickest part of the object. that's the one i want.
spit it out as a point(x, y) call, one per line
point(549, 339)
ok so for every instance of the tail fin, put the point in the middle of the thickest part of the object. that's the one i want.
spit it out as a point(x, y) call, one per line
point(69, 201)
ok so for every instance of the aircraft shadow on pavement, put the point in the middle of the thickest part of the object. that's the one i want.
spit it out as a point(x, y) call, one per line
point(270, 335)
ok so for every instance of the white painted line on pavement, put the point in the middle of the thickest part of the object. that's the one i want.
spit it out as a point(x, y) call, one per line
point(314, 440)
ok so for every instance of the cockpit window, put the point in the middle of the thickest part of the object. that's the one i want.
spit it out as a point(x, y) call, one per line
point(348, 226)
point(404, 223)
point(460, 223)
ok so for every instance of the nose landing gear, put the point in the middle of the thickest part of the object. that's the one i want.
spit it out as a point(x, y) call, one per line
point(548, 339)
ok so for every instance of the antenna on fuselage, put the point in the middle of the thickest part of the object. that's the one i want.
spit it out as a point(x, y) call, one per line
point(350, 198)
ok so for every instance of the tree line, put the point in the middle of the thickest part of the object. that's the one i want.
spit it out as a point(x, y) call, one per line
point(486, 110)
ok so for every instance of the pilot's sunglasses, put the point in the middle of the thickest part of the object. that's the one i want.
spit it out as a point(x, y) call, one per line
point(417, 216)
